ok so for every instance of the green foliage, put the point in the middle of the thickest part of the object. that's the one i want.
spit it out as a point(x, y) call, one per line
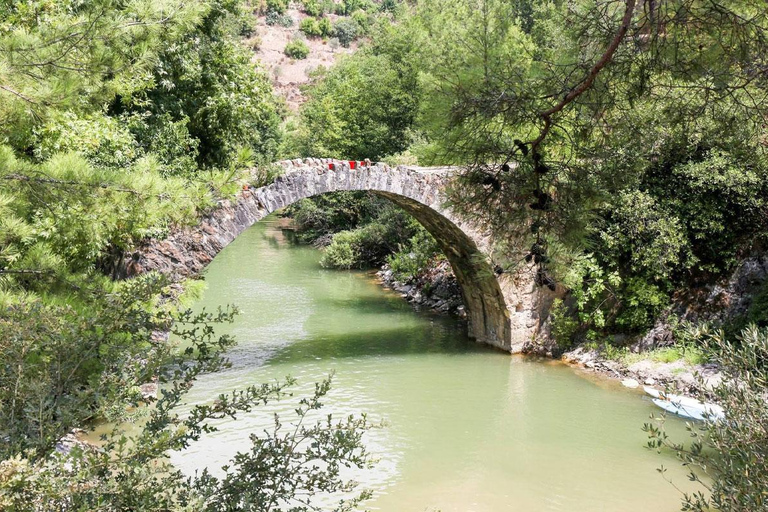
point(276, 6)
point(564, 325)
point(365, 105)
point(606, 302)
point(345, 250)
point(643, 238)
point(388, 5)
point(369, 244)
point(64, 217)
point(325, 26)
point(346, 30)
point(414, 257)
point(168, 141)
point(758, 309)
point(311, 27)
point(364, 21)
point(363, 247)
point(63, 376)
point(726, 457)
point(281, 20)
point(359, 229)
point(640, 302)
point(296, 49)
point(312, 7)
point(103, 141)
point(326, 214)
point(48, 62)
point(206, 77)
point(717, 189)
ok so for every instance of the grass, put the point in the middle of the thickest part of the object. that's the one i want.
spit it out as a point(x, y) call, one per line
point(692, 355)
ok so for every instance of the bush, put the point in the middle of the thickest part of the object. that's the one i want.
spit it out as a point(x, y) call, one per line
point(364, 21)
point(282, 20)
point(277, 6)
point(363, 247)
point(326, 29)
point(346, 30)
point(296, 49)
point(388, 6)
point(312, 7)
point(414, 257)
point(343, 253)
point(641, 302)
point(310, 27)
point(644, 238)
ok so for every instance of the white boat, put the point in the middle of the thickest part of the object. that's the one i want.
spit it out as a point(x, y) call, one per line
point(684, 406)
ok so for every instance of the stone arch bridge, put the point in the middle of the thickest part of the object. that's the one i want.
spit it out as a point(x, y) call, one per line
point(506, 311)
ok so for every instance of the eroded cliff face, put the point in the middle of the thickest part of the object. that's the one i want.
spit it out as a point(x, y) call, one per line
point(725, 300)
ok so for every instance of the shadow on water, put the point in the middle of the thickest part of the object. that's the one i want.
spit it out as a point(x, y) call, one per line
point(395, 341)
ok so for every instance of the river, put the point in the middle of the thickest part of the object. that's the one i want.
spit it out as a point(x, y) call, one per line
point(469, 428)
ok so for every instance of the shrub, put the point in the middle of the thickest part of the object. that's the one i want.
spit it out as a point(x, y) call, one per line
point(346, 30)
point(310, 27)
point(312, 7)
point(326, 29)
point(278, 6)
point(296, 49)
point(363, 20)
point(343, 252)
point(282, 20)
point(413, 258)
point(388, 6)
point(641, 302)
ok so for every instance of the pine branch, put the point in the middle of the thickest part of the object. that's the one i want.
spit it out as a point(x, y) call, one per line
point(587, 81)
point(25, 271)
point(71, 183)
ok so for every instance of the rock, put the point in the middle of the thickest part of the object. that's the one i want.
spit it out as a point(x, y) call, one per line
point(630, 383)
point(67, 443)
point(650, 382)
point(149, 390)
point(659, 336)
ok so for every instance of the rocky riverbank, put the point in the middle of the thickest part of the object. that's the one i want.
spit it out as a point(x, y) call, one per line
point(680, 376)
point(436, 289)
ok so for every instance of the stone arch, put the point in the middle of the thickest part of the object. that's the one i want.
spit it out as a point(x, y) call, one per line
point(502, 310)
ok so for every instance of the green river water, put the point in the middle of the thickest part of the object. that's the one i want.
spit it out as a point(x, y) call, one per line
point(468, 428)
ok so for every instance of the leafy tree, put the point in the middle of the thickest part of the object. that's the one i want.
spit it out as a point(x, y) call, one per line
point(555, 94)
point(206, 80)
point(276, 6)
point(76, 56)
point(346, 30)
point(312, 8)
point(365, 105)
